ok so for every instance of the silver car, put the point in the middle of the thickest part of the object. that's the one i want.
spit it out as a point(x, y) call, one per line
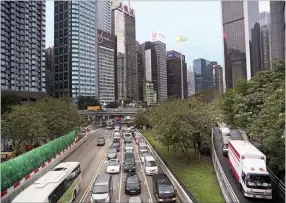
point(135, 200)
point(111, 153)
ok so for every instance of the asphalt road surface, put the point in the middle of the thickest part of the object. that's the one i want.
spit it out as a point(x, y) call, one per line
point(236, 135)
point(93, 161)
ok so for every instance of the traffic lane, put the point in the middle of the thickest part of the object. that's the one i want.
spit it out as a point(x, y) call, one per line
point(235, 134)
point(89, 155)
point(229, 174)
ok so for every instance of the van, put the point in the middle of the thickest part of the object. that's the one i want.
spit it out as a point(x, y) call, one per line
point(225, 140)
point(150, 165)
point(102, 189)
point(163, 188)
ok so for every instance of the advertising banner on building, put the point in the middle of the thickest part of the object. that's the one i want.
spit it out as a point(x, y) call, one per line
point(106, 40)
point(175, 55)
point(158, 36)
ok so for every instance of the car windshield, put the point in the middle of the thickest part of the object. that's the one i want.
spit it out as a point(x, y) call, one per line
point(150, 163)
point(101, 139)
point(100, 189)
point(145, 153)
point(116, 144)
point(129, 145)
point(225, 146)
point(112, 151)
point(165, 189)
point(132, 180)
point(113, 163)
point(258, 181)
point(144, 147)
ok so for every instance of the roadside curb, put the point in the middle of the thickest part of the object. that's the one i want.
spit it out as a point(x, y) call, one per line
point(45, 167)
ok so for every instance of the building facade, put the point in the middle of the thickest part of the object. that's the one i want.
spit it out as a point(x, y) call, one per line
point(203, 74)
point(23, 30)
point(123, 26)
point(191, 83)
point(104, 15)
point(217, 79)
point(264, 18)
point(76, 49)
point(50, 70)
point(242, 51)
point(107, 55)
point(277, 30)
point(265, 38)
point(174, 80)
point(160, 46)
point(140, 71)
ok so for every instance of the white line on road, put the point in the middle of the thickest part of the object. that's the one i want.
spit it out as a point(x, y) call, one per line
point(151, 201)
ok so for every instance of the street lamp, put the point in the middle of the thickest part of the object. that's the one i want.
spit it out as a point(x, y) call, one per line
point(181, 39)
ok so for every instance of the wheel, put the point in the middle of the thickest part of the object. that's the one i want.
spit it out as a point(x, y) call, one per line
point(73, 196)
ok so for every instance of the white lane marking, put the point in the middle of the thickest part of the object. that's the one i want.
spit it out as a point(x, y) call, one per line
point(148, 189)
point(149, 200)
point(121, 173)
point(118, 184)
point(145, 183)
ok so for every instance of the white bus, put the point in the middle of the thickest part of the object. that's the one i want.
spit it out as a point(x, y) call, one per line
point(61, 184)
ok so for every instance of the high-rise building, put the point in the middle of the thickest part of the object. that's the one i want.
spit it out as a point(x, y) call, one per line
point(50, 70)
point(23, 30)
point(277, 30)
point(203, 74)
point(104, 15)
point(217, 79)
point(242, 51)
point(150, 82)
point(123, 26)
point(191, 82)
point(140, 71)
point(264, 36)
point(107, 55)
point(76, 49)
point(159, 40)
point(174, 80)
point(264, 18)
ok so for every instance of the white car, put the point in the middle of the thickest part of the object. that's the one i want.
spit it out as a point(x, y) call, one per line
point(143, 154)
point(113, 166)
point(128, 147)
point(150, 165)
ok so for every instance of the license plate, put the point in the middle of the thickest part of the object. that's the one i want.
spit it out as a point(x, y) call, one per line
point(258, 196)
point(129, 170)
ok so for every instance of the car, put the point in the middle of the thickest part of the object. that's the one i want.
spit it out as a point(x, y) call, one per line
point(113, 166)
point(135, 200)
point(128, 146)
point(163, 189)
point(129, 163)
point(100, 141)
point(128, 151)
point(128, 140)
point(112, 153)
point(143, 154)
point(116, 135)
point(102, 188)
point(132, 184)
point(150, 165)
point(140, 140)
point(116, 145)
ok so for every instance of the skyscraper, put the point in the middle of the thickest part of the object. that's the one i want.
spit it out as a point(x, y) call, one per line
point(174, 80)
point(50, 70)
point(76, 47)
point(203, 74)
point(277, 30)
point(150, 82)
point(107, 55)
point(264, 31)
point(191, 82)
point(104, 15)
point(140, 71)
point(160, 46)
point(123, 26)
point(217, 79)
point(23, 30)
point(242, 51)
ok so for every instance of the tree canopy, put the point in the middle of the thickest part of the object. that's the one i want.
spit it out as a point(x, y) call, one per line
point(181, 125)
point(43, 120)
point(258, 107)
point(8, 101)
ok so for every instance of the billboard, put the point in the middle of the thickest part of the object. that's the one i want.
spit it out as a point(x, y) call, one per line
point(148, 66)
point(175, 55)
point(158, 36)
point(106, 40)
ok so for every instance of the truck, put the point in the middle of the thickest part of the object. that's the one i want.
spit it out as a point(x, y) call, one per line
point(248, 166)
point(93, 108)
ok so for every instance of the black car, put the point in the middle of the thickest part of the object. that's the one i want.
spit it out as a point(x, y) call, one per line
point(100, 141)
point(132, 184)
point(163, 188)
point(116, 145)
point(129, 163)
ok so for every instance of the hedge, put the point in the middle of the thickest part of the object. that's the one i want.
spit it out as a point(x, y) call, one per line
point(15, 169)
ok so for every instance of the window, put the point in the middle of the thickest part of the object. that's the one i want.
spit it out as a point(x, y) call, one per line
point(65, 67)
point(56, 77)
point(66, 86)
point(65, 23)
point(65, 76)
point(56, 68)
point(65, 31)
point(65, 58)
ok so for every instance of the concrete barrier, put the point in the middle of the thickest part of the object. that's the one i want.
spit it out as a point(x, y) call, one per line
point(181, 193)
point(8, 195)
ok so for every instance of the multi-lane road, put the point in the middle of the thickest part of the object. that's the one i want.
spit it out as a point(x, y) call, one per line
point(236, 135)
point(93, 160)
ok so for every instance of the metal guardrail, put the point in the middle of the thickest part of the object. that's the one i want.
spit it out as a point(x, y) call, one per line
point(182, 191)
point(224, 184)
point(278, 185)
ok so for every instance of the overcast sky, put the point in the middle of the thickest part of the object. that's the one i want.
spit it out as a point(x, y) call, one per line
point(199, 21)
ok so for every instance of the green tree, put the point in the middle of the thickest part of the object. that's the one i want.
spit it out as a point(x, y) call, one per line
point(8, 101)
point(24, 124)
point(84, 102)
point(141, 119)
